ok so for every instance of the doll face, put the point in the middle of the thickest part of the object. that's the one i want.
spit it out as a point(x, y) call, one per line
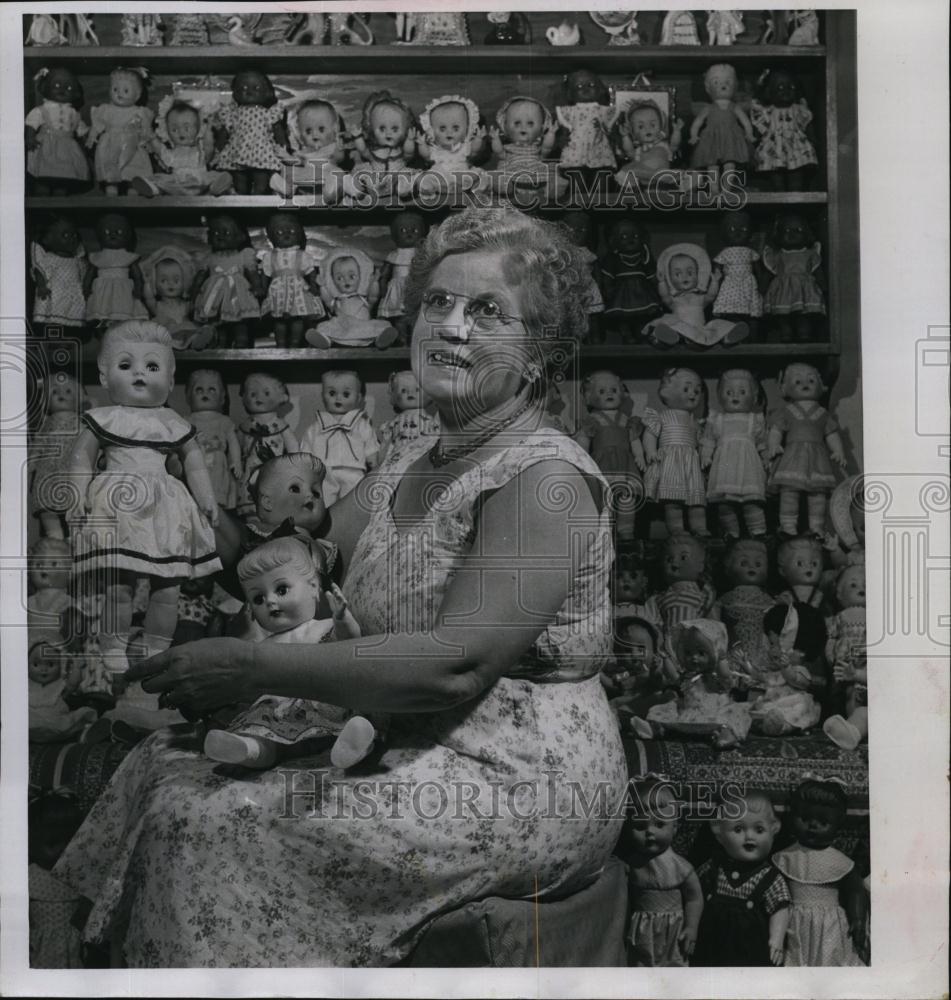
point(782, 89)
point(583, 86)
point(63, 395)
point(696, 655)
point(224, 233)
point(281, 598)
point(61, 86)
point(341, 392)
point(683, 391)
point(250, 89)
point(652, 835)
point(630, 585)
point(850, 590)
point(291, 489)
point(114, 232)
point(182, 126)
point(449, 123)
point(747, 564)
point(749, 838)
point(405, 393)
point(262, 394)
point(603, 392)
point(801, 563)
point(284, 231)
point(206, 392)
point(793, 233)
point(720, 84)
point(683, 561)
point(815, 825)
point(626, 237)
point(736, 394)
point(169, 280)
point(138, 374)
point(61, 238)
point(635, 651)
point(52, 572)
point(44, 664)
point(408, 229)
point(645, 125)
point(317, 125)
point(801, 382)
point(683, 273)
point(737, 228)
point(387, 125)
point(524, 121)
point(346, 274)
point(125, 89)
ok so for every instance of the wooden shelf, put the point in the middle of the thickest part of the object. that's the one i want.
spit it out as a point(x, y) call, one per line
point(324, 60)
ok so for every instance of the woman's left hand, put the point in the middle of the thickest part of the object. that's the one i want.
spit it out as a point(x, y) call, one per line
point(202, 675)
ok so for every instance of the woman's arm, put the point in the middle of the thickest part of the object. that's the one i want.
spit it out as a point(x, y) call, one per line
point(519, 571)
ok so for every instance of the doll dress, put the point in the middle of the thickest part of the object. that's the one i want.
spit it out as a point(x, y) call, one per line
point(793, 289)
point(55, 942)
point(594, 303)
point(58, 154)
point(818, 933)
point(700, 705)
point(611, 442)
point(797, 709)
point(688, 319)
point(48, 455)
point(721, 141)
point(738, 294)
point(742, 610)
point(804, 464)
point(523, 158)
point(112, 297)
point(682, 601)
point(346, 443)
point(632, 292)
point(212, 430)
point(589, 142)
point(351, 324)
point(676, 475)
point(392, 302)
point(189, 172)
point(226, 294)
point(737, 474)
point(251, 144)
point(288, 293)
point(658, 917)
point(783, 143)
point(261, 438)
point(410, 425)
point(66, 304)
point(142, 519)
point(121, 147)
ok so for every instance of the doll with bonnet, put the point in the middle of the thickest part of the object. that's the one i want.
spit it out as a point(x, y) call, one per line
point(451, 138)
point(385, 145)
point(315, 135)
point(168, 275)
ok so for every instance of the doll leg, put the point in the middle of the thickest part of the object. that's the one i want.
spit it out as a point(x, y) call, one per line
point(41, 188)
point(788, 511)
point(296, 338)
point(754, 517)
point(161, 615)
point(595, 332)
point(241, 336)
point(847, 733)
point(242, 181)
point(674, 518)
point(729, 521)
point(697, 520)
point(112, 190)
point(817, 504)
point(803, 328)
point(280, 332)
point(796, 179)
point(260, 182)
point(116, 620)
point(235, 748)
point(784, 329)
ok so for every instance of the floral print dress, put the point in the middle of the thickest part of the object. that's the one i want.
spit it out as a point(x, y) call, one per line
point(188, 866)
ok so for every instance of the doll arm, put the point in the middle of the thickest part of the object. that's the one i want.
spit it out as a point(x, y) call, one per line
point(744, 121)
point(692, 895)
point(582, 436)
point(290, 440)
point(637, 450)
point(774, 441)
point(138, 282)
point(663, 290)
point(82, 463)
point(836, 452)
point(708, 441)
point(37, 273)
point(198, 480)
point(697, 124)
point(345, 625)
point(495, 140)
point(96, 127)
point(778, 923)
point(409, 143)
point(88, 278)
point(478, 141)
point(425, 150)
point(371, 443)
point(712, 289)
point(234, 453)
point(29, 134)
point(650, 445)
point(676, 136)
point(855, 903)
point(627, 143)
point(548, 140)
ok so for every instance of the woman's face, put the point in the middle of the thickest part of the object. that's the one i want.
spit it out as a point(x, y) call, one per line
point(469, 351)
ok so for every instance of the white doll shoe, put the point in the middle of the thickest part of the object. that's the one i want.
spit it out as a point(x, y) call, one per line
point(842, 732)
point(738, 333)
point(642, 728)
point(316, 339)
point(233, 748)
point(354, 743)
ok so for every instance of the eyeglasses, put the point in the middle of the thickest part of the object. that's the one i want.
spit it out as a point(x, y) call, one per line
point(480, 313)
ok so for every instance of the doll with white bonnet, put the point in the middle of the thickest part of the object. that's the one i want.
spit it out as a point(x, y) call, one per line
point(349, 287)
point(53, 674)
point(315, 134)
point(450, 138)
point(687, 285)
point(121, 131)
point(50, 573)
point(264, 433)
point(215, 433)
point(721, 134)
point(54, 158)
point(522, 138)
point(168, 275)
point(384, 147)
point(412, 421)
point(846, 651)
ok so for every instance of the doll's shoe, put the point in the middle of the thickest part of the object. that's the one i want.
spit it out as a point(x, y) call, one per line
point(220, 185)
point(233, 748)
point(739, 333)
point(143, 187)
point(388, 337)
point(316, 339)
point(663, 335)
point(842, 733)
point(642, 728)
point(354, 743)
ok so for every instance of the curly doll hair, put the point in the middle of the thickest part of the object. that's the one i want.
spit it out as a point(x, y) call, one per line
point(274, 217)
point(774, 234)
point(135, 331)
point(669, 374)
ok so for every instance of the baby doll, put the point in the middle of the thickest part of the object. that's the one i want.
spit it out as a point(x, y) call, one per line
point(588, 119)
point(792, 256)
point(724, 26)
point(523, 137)
point(846, 651)
point(225, 287)
point(159, 527)
point(631, 583)
point(182, 147)
point(647, 143)
point(738, 297)
point(215, 433)
point(349, 288)
point(746, 899)
point(121, 131)
point(411, 421)
point(54, 158)
point(799, 564)
point(50, 719)
point(613, 437)
point(627, 276)
point(451, 139)
point(264, 433)
point(821, 932)
point(49, 446)
point(742, 607)
point(578, 225)
point(704, 703)
point(721, 134)
point(674, 477)
point(805, 442)
point(408, 230)
point(733, 446)
point(50, 570)
point(385, 145)
point(688, 593)
point(783, 121)
point(253, 133)
point(679, 28)
point(636, 667)
point(687, 284)
point(58, 267)
point(293, 299)
point(665, 893)
point(113, 282)
point(168, 276)
point(281, 581)
point(341, 434)
point(315, 133)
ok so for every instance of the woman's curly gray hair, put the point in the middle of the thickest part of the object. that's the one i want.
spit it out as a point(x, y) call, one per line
point(539, 261)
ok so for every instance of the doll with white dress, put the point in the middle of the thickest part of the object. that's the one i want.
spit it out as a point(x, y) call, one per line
point(293, 294)
point(733, 447)
point(588, 118)
point(721, 134)
point(58, 266)
point(113, 281)
point(783, 123)
point(50, 571)
point(384, 147)
point(342, 436)
point(523, 137)
point(579, 228)
point(215, 433)
point(159, 527)
point(168, 276)
point(54, 158)
point(846, 651)
point(738, 296)
point(450, 138)
point(349, 287)
point(264, 433)
point(121, 131)
point(679, 28)
point(407, 230)
point(793, 257)
point(674, 476)
point(724, 26)
point(412, 421)
point(315, 133)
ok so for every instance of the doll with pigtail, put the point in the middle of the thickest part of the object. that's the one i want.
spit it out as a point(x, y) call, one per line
point(55, 160)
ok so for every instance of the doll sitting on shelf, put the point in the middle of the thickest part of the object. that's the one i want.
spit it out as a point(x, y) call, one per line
point(168, 276)
point(644, 139)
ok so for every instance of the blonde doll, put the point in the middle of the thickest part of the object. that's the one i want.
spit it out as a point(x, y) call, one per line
point(385, 145)
point(523, 137)
point(215, 433)
point(451, 139)
point(721, 134)
point(804, 441)
point(264, 433)
point(733, 447)
point(121, 131)
point(282, 583)
point(315, 135)
point(159, 527)
point(168, 276)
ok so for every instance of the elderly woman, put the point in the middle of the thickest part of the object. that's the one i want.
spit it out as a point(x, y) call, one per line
point(478, 570)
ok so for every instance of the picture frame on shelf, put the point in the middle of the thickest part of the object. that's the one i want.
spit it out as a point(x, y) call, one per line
point(642, 91)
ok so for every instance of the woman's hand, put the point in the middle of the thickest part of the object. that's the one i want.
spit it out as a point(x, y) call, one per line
point(202, 675)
